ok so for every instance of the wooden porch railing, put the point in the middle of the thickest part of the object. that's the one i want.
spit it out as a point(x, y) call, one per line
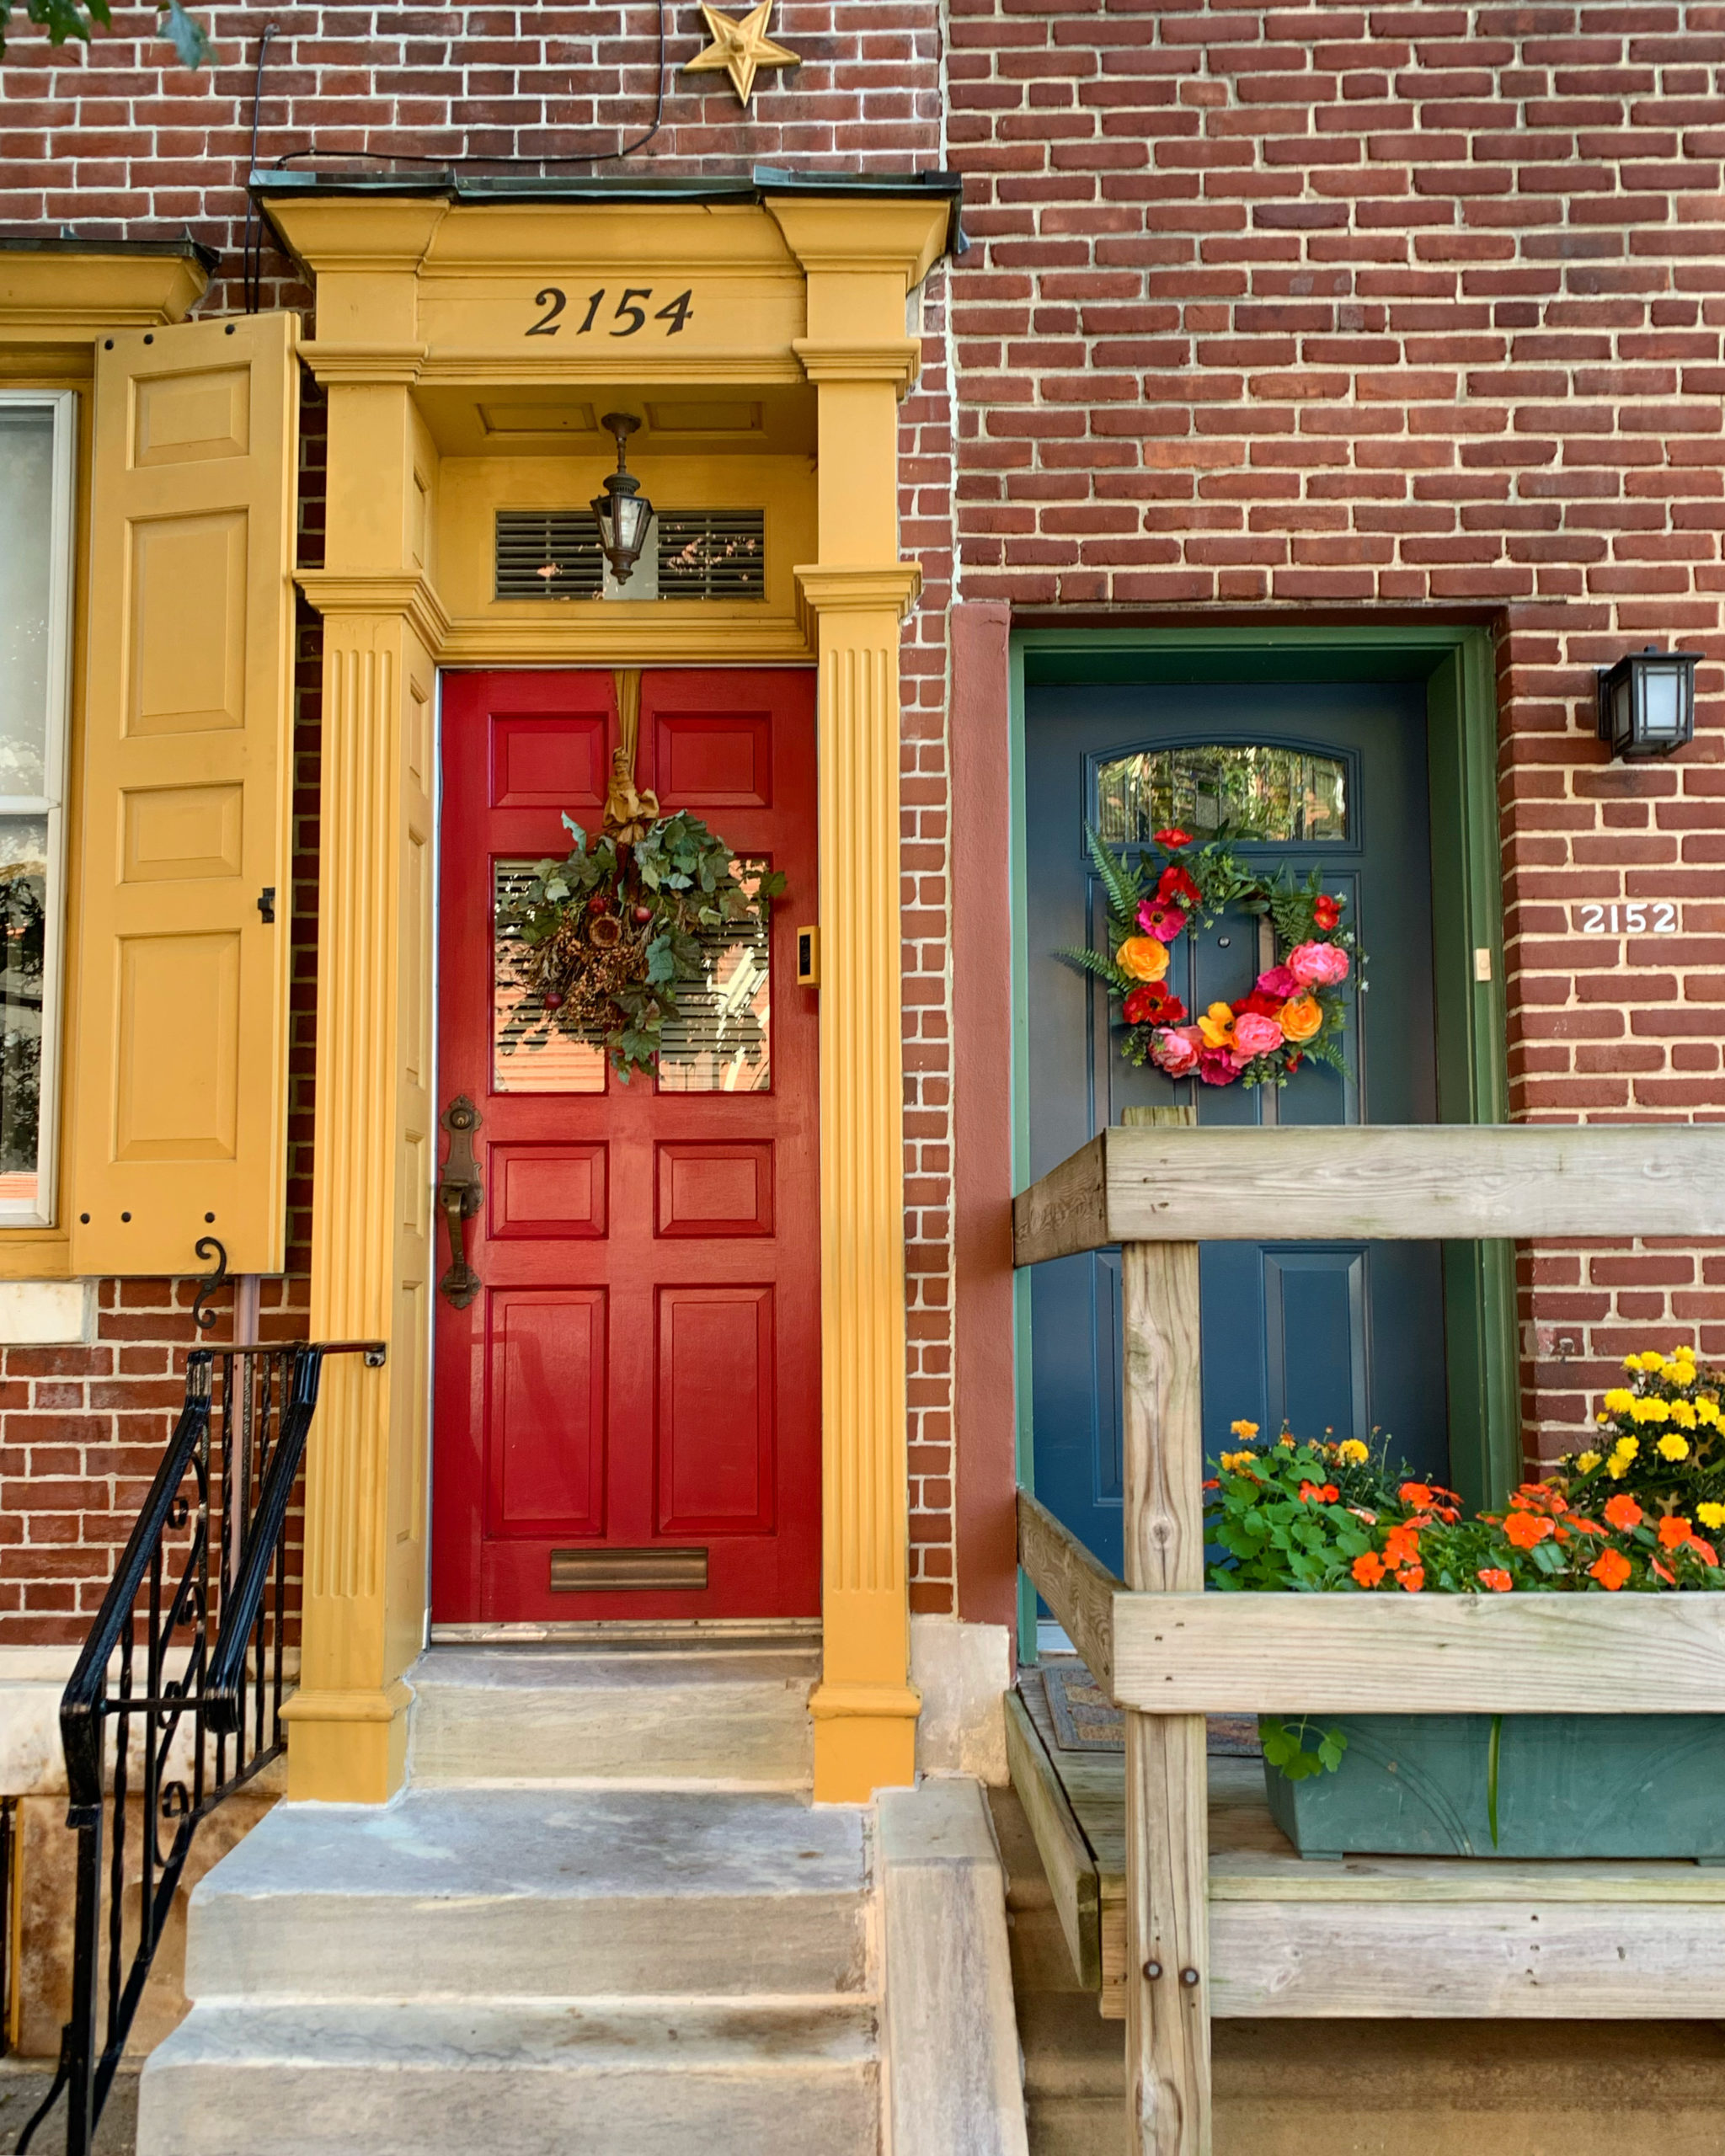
point(1168, 1654)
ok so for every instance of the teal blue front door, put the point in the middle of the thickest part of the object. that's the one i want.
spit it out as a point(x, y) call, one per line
point(1346, 1337)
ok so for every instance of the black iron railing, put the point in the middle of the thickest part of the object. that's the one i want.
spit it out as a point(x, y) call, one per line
point(187, 1664)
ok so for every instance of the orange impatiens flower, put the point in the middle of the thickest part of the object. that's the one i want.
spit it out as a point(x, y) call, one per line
point(1413, 1577)
point(1402, 1546)
point(1415, 1493)
point(1318, 1493)
point(1499, 1583)
point(1610, 1570)
point(1523, 1529)
point(1622, 1512)
point(1368, 1569)
point(1674, 1533)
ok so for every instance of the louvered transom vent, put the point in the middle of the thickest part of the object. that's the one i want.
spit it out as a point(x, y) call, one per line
point(712, 554)
point(548, 554)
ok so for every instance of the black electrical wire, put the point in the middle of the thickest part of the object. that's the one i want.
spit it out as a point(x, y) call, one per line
point(448, 165)
point(252, 244)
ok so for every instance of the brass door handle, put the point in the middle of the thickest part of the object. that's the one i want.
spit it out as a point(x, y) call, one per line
point(460, 1195)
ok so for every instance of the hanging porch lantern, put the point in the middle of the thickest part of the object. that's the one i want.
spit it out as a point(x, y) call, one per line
point(1647, 702)
point(623, 512)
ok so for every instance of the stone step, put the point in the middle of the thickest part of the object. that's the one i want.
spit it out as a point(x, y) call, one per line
point(729, 1716)
point(533, 2078)
point(537, 1893)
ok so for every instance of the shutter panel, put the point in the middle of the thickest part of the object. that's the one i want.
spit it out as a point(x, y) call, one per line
point(178, 1084)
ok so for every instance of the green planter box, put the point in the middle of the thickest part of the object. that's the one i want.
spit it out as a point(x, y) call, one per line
point(1569, 1786)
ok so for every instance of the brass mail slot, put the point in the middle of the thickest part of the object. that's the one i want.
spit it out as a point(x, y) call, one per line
point(605, 1571)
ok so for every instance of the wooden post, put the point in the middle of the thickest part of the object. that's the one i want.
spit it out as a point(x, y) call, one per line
point(1167, 1815)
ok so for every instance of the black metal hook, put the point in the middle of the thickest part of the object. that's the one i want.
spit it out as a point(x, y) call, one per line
point(206, 1248)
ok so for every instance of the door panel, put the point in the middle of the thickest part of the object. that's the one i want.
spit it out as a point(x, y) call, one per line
point(640, 1378)
point(1328, 1335)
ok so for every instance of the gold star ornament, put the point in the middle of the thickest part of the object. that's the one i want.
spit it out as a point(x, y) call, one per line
point(740, 49)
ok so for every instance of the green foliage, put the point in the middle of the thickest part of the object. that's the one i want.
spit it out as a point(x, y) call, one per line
point(1284, 1746)
point(667, 907)
point(78, 18)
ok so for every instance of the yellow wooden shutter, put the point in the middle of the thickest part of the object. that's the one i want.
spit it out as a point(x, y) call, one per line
point(179, 1075)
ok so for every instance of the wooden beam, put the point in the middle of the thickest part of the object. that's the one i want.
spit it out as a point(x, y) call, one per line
point(1073, 1882)
point(1424, 1182)
point(1545, 1960)
point(1078, 1588)
point(1167, 1822)
point(1342, 1654)
point(1063, 1212)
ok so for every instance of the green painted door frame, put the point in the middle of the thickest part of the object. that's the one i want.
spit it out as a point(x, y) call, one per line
point(1462, 735)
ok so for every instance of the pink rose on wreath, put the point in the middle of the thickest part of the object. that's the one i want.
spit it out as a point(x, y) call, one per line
point(1256, 1035)
point(1157, 918)
point(1176, 1051)
point(1219, 1066)
point(1278, 982)
point(1318, 965)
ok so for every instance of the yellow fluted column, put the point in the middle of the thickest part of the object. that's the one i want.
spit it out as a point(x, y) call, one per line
point(865, 1708)
point(372, 1259)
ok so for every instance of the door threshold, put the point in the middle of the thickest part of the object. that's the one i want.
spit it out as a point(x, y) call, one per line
point(636, 1634)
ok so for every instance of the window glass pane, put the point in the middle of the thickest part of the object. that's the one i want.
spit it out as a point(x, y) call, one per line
point(26, 568)
point(719, 1041)
point(529, 1054)
point(1258, 790)
point(24, 894)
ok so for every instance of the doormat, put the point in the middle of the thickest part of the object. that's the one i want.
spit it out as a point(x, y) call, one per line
point(1085, 1718)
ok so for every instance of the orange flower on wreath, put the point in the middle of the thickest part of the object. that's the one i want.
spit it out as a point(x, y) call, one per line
point(1610, 1570)
point(1300, 1017)
point(1143, 958)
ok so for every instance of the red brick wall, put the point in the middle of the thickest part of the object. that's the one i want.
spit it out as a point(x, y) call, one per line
point(1351, 310)
point(121, 142)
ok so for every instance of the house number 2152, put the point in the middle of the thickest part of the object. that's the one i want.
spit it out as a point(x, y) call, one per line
point(1604, 920)
point(628, 318)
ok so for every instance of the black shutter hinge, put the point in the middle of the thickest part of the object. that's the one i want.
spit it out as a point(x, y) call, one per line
point(266, 903)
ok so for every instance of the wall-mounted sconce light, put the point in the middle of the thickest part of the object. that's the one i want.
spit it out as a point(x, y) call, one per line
point(1647, 702)
point(623, 512)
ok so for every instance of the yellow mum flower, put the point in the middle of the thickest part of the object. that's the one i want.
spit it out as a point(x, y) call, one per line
point(1672, 1447)
point(1234, 1461)
point(1710, 1515)
point(1650, 1410)
point(1619, 1401)
point(1641, 1361)
point(1683, 1414)
point(1353, 1451)
point(1708, 1411)
point(1586, 1462)
point(1243, 1429)
point(1626, 1448)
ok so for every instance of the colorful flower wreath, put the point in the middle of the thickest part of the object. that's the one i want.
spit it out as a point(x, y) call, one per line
point(1294, 1010)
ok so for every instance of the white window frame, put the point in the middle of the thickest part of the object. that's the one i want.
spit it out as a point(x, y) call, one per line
point(51, 803)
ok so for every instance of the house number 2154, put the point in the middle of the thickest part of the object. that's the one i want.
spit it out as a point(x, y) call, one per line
point(628, 318)
point(1604, 920)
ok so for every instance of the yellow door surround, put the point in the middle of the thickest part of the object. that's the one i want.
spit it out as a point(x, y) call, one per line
point(466, 348)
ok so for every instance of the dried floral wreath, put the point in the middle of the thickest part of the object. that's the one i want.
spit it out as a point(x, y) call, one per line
point(1294, 1010)
point(640, 909)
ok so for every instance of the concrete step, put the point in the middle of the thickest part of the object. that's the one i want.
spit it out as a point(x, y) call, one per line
point(536, 1893)
point(727, 1716)
point(535, 2079)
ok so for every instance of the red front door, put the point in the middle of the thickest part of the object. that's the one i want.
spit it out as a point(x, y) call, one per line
point(630, 1405)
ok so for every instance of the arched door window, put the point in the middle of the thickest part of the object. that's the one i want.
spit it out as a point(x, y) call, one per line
point(1261, 792)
